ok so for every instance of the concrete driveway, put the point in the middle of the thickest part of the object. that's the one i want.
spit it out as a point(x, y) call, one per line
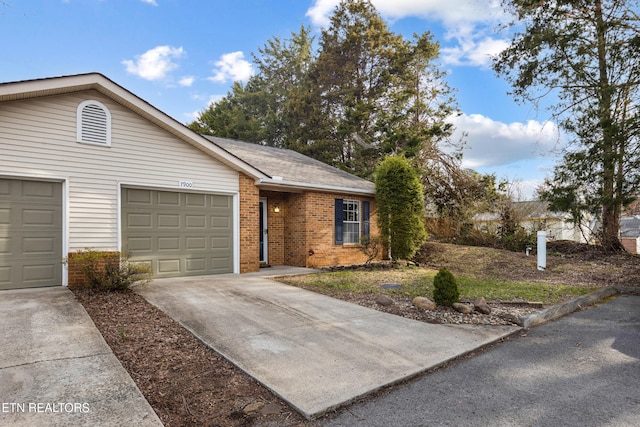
point(57, 370)
point(313, 351)
point(582, 370)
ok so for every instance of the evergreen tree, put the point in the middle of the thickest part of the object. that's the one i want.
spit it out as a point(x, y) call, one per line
point(400, 205)
point(588, 54)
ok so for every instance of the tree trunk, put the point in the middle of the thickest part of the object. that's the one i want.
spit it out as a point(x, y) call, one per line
point(610, 203)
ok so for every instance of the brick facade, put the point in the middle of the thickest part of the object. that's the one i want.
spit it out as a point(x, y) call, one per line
point(77, 278)
point(302, 233)
point(249, 225)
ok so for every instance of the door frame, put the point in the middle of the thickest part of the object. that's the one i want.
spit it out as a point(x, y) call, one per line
point(264, 231)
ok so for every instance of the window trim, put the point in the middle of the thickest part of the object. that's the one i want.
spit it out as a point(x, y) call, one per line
point(79, 123)
point(345, 204)
point(364, 221)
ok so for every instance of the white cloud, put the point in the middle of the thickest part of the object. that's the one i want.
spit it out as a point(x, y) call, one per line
point(186, 81)
point(155, 63)
point(492, 144)
point(151, 2)
point(232, 66)
point(467, 23)
point(473, 51)
point(451, 12)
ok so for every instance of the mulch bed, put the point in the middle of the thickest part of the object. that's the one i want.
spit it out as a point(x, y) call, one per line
point(184, 381)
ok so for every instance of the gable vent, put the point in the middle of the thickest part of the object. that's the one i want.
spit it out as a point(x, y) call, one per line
point(94, 123)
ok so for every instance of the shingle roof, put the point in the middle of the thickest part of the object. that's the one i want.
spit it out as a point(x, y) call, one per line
point(630, 226)
point(532, 209)
point(290, 168)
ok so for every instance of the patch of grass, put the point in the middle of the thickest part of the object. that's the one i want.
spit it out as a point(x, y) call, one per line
point(494, 290)
point(419, 282)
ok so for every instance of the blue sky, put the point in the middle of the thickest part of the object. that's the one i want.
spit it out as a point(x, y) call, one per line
point(181, 55)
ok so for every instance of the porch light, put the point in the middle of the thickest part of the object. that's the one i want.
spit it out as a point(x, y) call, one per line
point(276, 209)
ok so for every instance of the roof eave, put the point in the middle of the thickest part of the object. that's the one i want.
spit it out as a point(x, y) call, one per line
point(289, 186)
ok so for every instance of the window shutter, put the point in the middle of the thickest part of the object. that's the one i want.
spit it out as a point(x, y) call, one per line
point(338, 222)
point(365, 219)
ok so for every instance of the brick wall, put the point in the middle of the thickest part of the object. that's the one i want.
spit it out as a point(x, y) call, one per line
point(249, 225)
point(320, 232)
point(630, 244)
point(302, 233)
point(76, 276)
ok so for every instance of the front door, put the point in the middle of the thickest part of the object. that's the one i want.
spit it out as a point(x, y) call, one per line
point(264, 258)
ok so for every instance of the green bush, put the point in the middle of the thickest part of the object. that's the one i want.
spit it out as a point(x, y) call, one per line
point(109, 271)
point(445, 288)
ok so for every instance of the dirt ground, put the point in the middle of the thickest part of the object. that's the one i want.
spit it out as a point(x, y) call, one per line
point(188, 384)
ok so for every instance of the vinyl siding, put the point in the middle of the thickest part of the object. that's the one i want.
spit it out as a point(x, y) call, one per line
point(38, 138)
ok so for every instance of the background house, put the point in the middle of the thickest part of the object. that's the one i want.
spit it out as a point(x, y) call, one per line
point(535, 216)
point(87, 164)
point(630, 233)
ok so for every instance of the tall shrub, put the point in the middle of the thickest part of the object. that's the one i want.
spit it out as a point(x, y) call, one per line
point(400, 203)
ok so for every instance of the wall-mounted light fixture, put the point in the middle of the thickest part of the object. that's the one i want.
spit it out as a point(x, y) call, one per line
point(276, 209)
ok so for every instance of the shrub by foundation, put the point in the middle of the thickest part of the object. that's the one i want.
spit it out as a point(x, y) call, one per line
point(108, 271)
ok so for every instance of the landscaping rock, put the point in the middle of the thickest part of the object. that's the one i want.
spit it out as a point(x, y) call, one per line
point(481, 305)
point(462, 308)
point(511, 318)
point(424, 303)
point(271, 409)
point(252, 407)
point(384, 300)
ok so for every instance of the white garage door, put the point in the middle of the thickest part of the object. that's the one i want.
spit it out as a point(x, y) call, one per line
point(178, 234)
point(30, 233)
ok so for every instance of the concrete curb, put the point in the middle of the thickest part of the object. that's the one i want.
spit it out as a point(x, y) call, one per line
point(559, 310)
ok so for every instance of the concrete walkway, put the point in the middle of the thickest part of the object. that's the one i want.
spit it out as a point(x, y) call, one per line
point(315, 352)
point(57, 370)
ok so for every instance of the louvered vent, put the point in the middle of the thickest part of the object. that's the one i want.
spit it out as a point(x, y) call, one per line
point(94, 123)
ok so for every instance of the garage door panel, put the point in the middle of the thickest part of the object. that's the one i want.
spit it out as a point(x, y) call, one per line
point(139, 220)
point(5, 216)
point(5, 277)
point(30, 233)
point(168, 220)
point(220, 202)
point(39, 272)
point(38, 217)
point(169, 266)
point(195, 221)
point(193, 200)
point(195, 243)
point(179, 239)
point(39, 245)
point(221, 222)
point(139, 244)
point(196, 265)
point(138, 197)
point(169, 244)
point(221, 243)
point(167, 199)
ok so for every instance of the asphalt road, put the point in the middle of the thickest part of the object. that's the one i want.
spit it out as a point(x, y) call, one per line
point(580, 370)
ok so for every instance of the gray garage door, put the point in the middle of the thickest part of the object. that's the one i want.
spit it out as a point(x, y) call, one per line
point(30, 233)
point(178, 234)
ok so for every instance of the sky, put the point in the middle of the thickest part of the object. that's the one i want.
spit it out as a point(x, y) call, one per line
point(181, 55)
